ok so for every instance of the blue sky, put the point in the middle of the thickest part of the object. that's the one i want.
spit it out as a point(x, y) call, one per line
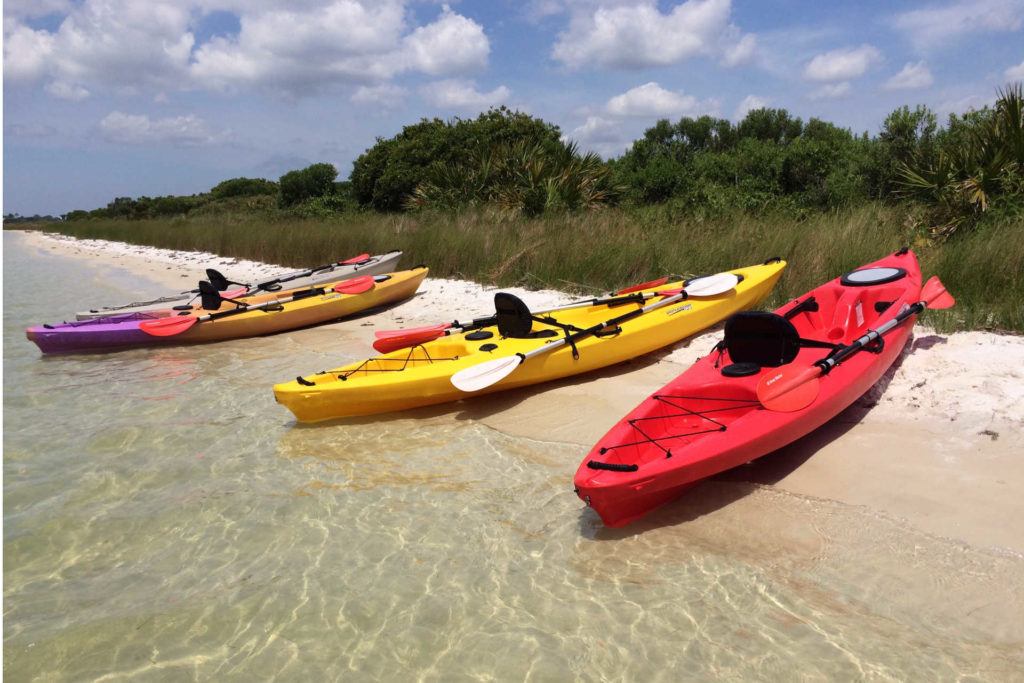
point(106, 98)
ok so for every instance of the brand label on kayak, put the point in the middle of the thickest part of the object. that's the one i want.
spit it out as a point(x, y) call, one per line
point(684, 307)
point(859, 310)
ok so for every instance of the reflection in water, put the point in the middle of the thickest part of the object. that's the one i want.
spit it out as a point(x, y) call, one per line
point(163, 516)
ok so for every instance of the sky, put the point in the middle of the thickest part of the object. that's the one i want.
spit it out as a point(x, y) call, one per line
point(109, 98)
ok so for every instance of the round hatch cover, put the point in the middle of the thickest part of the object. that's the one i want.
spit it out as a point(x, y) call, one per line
point(872, 276)
point(741, 369)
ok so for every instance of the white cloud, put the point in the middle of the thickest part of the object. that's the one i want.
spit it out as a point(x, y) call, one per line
point(458, 94)
point(747, 105)
point(831, 91)
point(67, 91)
point(125, 45)
point(343, 42)
point(964, 104)
point(652, 101)
point(451, 45)
point(638, 35)
point(842, 64)
point(602, 135)
point(912, 75)
point(139, 129)
point(742, 52)
point(27, 53)
point(535, 10)
point(1015, 73)
point(301, 49)
point(934, 26)
point(385, 95)
point(30, 9)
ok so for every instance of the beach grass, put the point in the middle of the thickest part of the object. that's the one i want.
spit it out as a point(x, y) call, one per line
point(601, 250)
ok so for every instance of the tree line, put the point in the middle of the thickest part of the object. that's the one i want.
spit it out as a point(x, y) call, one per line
point(770, 161)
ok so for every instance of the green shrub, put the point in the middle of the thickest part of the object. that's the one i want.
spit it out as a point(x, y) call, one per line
point(386, 175)
point(520, 178)
point(313, 181)
point(243, 187)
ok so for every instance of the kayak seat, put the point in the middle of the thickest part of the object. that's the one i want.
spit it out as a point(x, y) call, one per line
point(209, 295)
point(765, 339)
point(513, 316)
point(515, 321)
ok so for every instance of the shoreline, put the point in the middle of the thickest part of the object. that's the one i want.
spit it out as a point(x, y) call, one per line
point(934, 444)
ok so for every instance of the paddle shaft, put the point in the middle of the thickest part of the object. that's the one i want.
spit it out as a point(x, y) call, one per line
point(455, 327)
point(597, 301)
point(311, 271)
point(576, 336)
point(317, 291)
point(414, 337)
point(826, 364)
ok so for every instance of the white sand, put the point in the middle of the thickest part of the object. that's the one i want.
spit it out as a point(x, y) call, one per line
point(938, 442)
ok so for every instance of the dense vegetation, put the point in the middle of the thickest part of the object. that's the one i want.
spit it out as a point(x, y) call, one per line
point(594, 251)
point(768, 163)
point(504, 198)
point(17, 220)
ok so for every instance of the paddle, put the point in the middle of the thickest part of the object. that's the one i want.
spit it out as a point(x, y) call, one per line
point(644, 285)
point(392, 340)
point(490, 320)
point(168, 327)
point(491, 372)
point(788, 389)
point(274, 284)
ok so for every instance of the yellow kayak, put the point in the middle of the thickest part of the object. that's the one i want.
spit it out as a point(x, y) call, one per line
point(422, 375)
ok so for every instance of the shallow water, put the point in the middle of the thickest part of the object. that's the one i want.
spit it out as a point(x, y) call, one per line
point(165, 519)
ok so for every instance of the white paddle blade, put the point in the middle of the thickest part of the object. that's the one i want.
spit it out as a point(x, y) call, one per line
point(485, 374)
point(712, 285)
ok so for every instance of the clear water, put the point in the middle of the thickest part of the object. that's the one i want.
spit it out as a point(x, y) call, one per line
point(165, 519)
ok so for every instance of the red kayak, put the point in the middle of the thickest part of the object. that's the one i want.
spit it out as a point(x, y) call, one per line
point(774, 378)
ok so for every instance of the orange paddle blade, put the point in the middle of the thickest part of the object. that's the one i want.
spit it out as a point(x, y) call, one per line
point(383, 334)
point(356, 259)
point(788, 389)
point(389, 344)
point(935, 295)
point(168, 327)
point(356, 285)
point(644, 285)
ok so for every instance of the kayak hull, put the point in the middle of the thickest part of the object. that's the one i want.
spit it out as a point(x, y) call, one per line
point(165, 306)
point(421, 376)
point(703, 422)
point(108, 334)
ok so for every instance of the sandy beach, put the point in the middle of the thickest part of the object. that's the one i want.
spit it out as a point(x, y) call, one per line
point(938, 444)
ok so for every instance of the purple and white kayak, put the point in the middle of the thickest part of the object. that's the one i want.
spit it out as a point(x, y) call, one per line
point(92, 335)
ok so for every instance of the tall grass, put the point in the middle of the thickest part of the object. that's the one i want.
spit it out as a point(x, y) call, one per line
point(605, 249)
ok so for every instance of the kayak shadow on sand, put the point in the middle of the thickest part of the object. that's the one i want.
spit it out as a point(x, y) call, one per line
point(482, 407)
point(716, 492)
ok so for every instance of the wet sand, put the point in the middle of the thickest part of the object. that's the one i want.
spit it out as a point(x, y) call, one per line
point(937, 444)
